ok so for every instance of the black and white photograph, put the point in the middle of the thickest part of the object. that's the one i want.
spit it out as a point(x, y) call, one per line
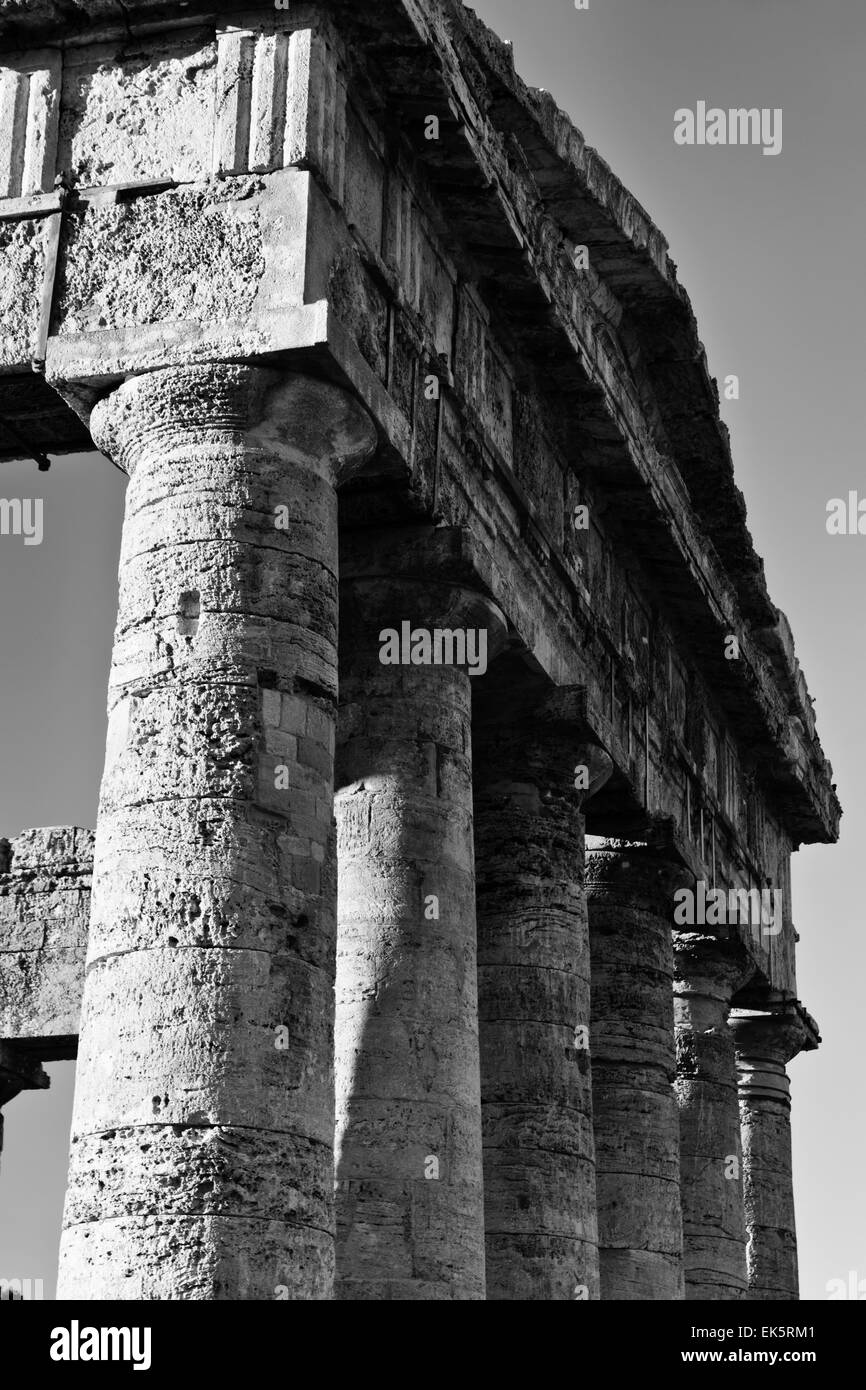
point(432, 645)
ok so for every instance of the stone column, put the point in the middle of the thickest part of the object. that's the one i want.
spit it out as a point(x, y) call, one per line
point(533, 980)
point(201, 1162)
point(765, 1043)
point(410, 1221)
point(707, 972)
point(637, 1130)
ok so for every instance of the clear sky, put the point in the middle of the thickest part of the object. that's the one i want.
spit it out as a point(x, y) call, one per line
point(770, 251)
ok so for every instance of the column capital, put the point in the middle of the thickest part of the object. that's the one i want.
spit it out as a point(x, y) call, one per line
point(766, 1041)
point(712, 967)
point(544, 732)
point(632, 874)
point(311, 422)
point(560, 716)
point(409, 607)
point(406, 584)
point(777, 1034)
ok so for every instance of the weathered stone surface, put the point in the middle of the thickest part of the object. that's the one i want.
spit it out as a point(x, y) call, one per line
point(192, 101)
point(29, 107)
point(44, 909)
point(636, 1123)
point(707, 972)
point(146, 115)
point(22, 271)
point(765, 1043)
point(196, 1257)
point(159, 250)
point(223, 270)
point(209, 1004)
point(534, 1013)
point(408, 1137)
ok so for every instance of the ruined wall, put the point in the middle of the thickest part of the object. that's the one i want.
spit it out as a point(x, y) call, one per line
point(45, 878)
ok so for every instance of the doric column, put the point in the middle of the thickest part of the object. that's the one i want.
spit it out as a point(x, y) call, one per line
point(201, 1163)
point(708, 970)
point(410, 1221)
point(636, 1121)
point(533, 771)
point(765, 1043)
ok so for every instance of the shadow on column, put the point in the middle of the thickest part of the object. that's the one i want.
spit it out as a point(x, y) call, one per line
point(534, 980)
point(408, 1135)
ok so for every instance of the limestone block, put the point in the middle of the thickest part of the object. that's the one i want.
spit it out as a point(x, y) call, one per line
point(130, 116)
point(195, 102)
point(23, 246)
point(45, 878)
point(29, 104)
point(141, 262)
point(232, 268)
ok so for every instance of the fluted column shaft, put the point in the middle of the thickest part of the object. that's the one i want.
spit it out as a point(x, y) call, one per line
point(636, 1120)
point(408, 1135)
point(708, 971)
point(765, 1043)
point(201, 1161)
point(533, 978)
